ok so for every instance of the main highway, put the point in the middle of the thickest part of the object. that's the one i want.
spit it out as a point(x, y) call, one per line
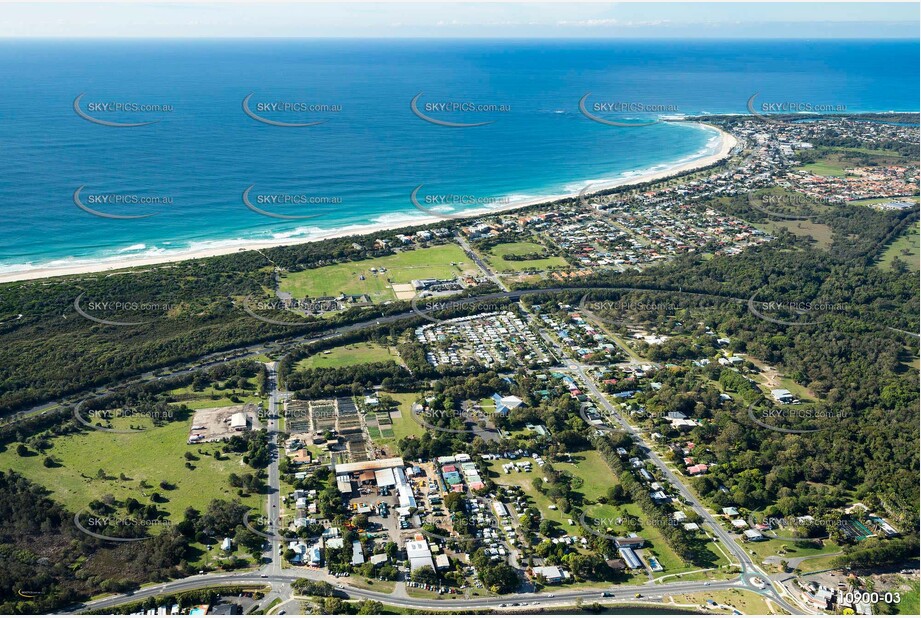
point(282, 581)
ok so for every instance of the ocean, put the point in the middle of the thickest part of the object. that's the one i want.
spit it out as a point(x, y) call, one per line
point(181, 178)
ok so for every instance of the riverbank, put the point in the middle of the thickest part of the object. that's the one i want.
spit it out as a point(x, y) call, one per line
point(726, 144)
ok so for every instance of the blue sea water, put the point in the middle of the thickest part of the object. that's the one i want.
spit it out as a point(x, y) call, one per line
point(371, 151)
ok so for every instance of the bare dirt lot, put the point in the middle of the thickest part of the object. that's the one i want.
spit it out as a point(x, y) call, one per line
point(214, 423)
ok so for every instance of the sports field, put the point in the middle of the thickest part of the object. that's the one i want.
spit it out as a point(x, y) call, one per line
point(496, 257)
point(439, 262)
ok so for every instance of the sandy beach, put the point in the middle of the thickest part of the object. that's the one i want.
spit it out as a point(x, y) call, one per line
point(727, 143)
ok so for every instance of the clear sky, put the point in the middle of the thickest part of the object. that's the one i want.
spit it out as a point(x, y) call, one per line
point(461, 19)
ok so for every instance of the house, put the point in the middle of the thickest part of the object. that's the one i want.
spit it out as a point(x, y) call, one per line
point(730, 511)
point(739, 523)
point(753, 535)
point(442, 562)
point(817, 595)
point(616, 564)
point(633, 542)
point(553, 574)
point(227, 544)
point(697, 469)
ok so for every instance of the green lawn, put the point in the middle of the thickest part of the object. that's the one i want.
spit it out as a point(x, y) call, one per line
point(906, 248)
point(909, 604)
point(776, 547)
point(496, 257)
point(746, 601)
point(345, 278)
point(211, 397)
point(882, 200)
point(151, 456)
point(371, 584)
point(354, 354)
point(825, 168)
point(404, 426)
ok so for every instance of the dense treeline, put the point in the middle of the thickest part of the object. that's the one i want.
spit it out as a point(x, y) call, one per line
point(351, 380)
point(681, 542)
point(849, 359)
point(40, 548)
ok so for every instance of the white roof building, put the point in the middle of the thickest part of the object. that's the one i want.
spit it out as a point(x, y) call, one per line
point(419, 555)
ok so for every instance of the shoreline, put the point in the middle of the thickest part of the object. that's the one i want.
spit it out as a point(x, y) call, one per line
point(727, 143)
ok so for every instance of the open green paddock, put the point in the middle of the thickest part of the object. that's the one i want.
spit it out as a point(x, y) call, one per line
point(346, 278)
point(152, 456)
point(497, 257)
point(353, 354)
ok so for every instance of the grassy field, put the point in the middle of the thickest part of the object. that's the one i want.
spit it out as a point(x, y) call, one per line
point(371, 584)
point(212, 397)
point(354, 354)
point(152, 456)
point(883, 200)
point(826, 168)
point(596, 478)
point(746, 601)
point(763, 549)
point(345, 278)
point(402, 427)
point(496, 257)
point(818, 231)
point(906, 248)
point(910, 604)
point(830, 164)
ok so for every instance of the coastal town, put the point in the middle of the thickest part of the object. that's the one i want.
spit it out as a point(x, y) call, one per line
point(475, 422)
